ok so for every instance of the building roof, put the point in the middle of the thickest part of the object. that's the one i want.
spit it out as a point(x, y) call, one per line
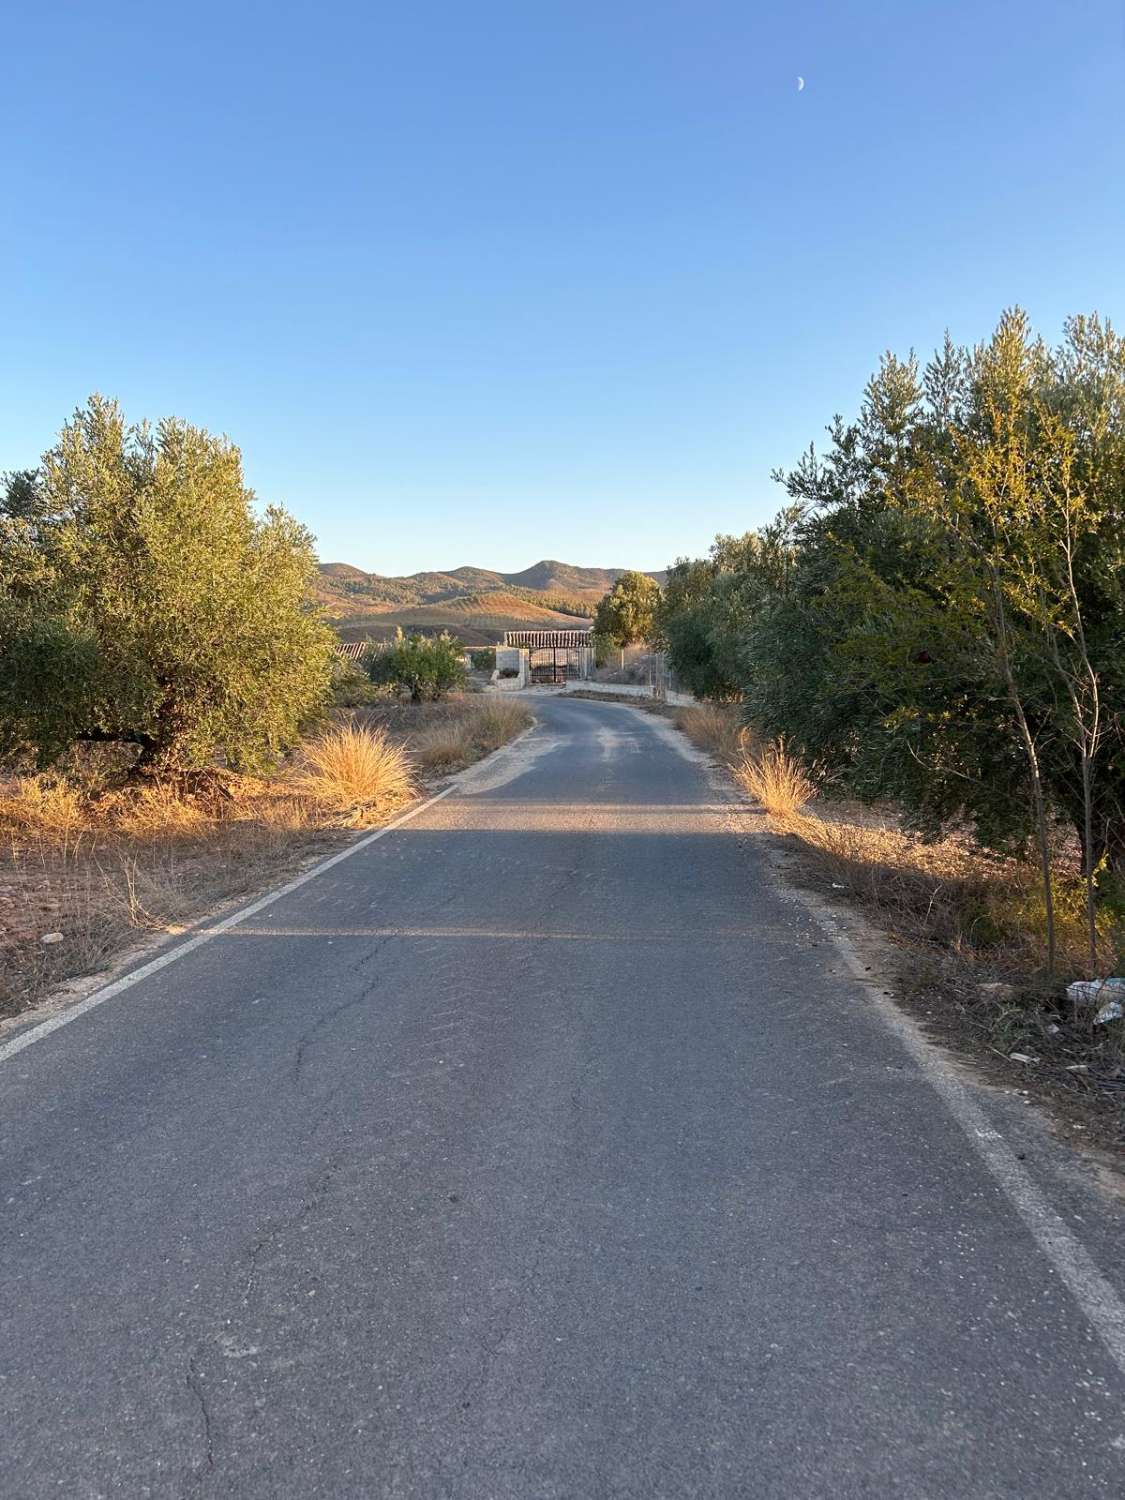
point(548, 640)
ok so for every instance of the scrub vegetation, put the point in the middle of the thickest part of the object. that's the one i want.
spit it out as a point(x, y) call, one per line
point(426, 667)
point(145, 603)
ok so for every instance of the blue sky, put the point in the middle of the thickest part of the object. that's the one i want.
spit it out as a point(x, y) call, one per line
point(480, 283)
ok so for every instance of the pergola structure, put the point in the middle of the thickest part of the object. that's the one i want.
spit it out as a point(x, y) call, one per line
point(548, 640)
point(573, 646)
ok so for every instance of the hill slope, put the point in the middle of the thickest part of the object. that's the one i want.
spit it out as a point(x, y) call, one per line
point(475, 619)
point(476, 604)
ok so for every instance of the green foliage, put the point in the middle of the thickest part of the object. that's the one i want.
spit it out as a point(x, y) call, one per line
point(709, 606)
point(426, 667)
point(143, 601)
point(483, 660)
point(704, 640)
point(627, 615)
point(937, 617)
point(603, 649)
point(351, 686)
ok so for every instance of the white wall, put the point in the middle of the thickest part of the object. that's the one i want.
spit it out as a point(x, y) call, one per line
point(628, 690)
point(511, 658)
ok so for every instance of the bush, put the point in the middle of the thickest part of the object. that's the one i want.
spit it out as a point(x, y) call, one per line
point(483, 660)
point(351, 686)
point(423, 666)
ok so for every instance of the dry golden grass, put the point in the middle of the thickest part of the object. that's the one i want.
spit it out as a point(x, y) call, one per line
point(776, 778)
point(950, 891)
point(443, 747)
point(159, 810)
point(497, 720)
point(483, 725)
point(356, 772)
point(43, 805)
point(716, 727)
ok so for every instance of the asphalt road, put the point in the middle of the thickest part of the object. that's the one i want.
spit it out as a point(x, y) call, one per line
point(542, 1148)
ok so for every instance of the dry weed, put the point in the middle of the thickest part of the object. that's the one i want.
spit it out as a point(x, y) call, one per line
point(716, 727)
point(43, 805)
point(159, 809)
point(443, 747)
point(477, 730)
point(776, 778)
point(356, 772)
point(496, 721)
point(948, 891)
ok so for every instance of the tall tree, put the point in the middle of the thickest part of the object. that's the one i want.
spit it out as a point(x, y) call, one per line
point(627, 614)
point(146, 602)
point(952, 633)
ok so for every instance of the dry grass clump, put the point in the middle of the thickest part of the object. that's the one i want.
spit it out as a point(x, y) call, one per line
point(444, 747)
point(950, 891)
point(42, 805)
point(776, 778)
point(158, 809)
point(480, 728)
point(716, 727)
point(356, 772)
point(497, 720)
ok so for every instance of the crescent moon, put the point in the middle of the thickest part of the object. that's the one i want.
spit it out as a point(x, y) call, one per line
point(800, 84)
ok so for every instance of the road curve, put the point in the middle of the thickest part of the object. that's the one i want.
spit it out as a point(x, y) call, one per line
point(543, 1148)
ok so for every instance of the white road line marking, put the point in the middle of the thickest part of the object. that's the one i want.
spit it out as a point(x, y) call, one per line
point(1100, 1302)
point(127, 981)
point(1075, 1266)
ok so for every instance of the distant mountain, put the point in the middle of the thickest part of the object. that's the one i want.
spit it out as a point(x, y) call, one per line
point(476, 604)
point(562, 578)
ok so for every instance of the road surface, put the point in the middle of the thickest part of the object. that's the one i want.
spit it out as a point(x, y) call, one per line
point(542, 1148)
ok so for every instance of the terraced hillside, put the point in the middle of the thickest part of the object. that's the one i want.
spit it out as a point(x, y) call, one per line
point(475, 619)
point(475, 604)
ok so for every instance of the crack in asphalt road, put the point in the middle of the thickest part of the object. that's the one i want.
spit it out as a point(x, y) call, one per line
point(195, 1387)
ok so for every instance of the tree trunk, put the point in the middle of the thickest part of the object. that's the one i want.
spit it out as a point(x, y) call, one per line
point(1088, 857)
point(1038, 801)
point(1039, 806)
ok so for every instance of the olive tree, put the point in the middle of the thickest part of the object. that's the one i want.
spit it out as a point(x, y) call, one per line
point(144, 601)
point(627, 615)
point(423, 666)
